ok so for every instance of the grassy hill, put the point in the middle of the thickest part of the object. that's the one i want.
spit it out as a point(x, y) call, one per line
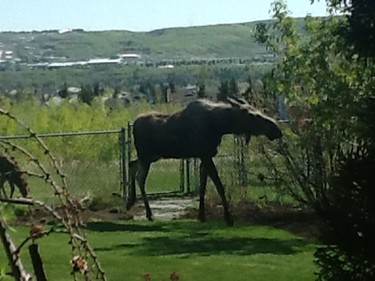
point(218, 41)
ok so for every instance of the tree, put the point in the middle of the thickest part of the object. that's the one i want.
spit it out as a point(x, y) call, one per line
point(202, 90)
point(233, 88)
point(359, 28)
point(86, 95)
point(116, 91)
point(260, 32)
point(63, 93)
point(223, 91)
point(172, 86)
point(249, 90)
point(96, 89)
point(165, 91)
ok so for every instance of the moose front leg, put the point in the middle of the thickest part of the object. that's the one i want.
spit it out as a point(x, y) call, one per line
point(202, 191)
point(212, 172)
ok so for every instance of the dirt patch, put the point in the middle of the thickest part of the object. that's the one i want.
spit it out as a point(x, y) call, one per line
point(302, 222)
point(165, 208)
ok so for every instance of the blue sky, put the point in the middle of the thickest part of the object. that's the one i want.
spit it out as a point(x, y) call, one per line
point(139, 15)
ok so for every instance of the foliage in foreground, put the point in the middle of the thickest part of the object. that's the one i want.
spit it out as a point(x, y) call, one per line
point(350, 254)
point(67, 216)
point(327, 160)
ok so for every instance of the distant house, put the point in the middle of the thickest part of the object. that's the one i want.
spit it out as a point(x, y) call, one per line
point(8, 55)
point(66, 64)
point(168, 66)
point(65, 30)
point(73, 90)
point(104, 61)
point(91, 62)
point(130, 58)
point(38, 65)
point(185, 95)
point(120, 100)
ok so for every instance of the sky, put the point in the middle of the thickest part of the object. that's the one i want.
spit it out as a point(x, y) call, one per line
point(139, 15)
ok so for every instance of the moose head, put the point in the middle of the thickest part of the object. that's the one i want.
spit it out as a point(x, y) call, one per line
point(251, 122)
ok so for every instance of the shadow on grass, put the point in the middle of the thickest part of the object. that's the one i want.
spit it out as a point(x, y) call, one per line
point(112, 227)
point(187, 238)
point(163, 226)
point(210, 245)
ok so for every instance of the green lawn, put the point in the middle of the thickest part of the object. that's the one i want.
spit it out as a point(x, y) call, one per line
point(197, 251)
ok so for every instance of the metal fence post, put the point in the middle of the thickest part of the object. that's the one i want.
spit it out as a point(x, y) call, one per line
point(188, 189)
point(182, 175)
point(240, 165)
point(244, 179)
point(123, 163)
point(196, 174)
point(129, 141)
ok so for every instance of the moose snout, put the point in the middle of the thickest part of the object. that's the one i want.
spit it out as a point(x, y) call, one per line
point(275, 135)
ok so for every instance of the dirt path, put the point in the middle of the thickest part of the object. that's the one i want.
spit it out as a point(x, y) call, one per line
point(302, 222)
point(164, 208)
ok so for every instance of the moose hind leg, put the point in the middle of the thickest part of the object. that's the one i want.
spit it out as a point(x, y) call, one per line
point(202, 191)
point(143, 169)
point(2, 188)
point(212, 172)
point(12, 188)
point(133, 169)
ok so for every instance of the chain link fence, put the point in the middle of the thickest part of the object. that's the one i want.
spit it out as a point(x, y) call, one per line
point(96, 164)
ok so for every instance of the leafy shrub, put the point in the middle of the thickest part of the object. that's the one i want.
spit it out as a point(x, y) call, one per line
point(328, 152)
point(349, 253)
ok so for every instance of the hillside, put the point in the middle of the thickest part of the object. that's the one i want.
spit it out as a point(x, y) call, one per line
point(45, 61)
point(214, 41)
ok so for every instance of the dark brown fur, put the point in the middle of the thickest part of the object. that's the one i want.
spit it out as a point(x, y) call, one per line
point(10, 172)
point(196, 131)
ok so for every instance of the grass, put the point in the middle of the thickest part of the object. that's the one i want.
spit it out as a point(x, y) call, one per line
point(197, 251)
point(100, 179)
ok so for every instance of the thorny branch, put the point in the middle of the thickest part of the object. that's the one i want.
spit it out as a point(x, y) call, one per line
point(11, 252)
point(71, 210)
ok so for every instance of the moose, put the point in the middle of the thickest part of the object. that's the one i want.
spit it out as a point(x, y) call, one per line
point(10, 172)
point(194, 132)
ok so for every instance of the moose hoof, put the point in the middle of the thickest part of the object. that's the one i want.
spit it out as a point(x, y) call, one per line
point(202, 218)
point(149, 215)
point(230, 223)
point(130, 203)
